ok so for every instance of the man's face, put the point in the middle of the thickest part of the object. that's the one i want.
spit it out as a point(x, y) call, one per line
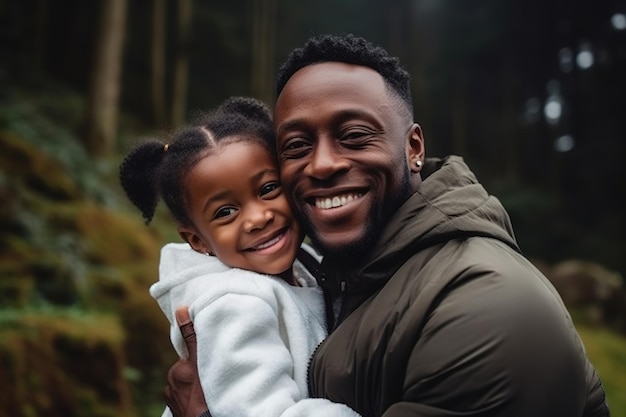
point(343, 148)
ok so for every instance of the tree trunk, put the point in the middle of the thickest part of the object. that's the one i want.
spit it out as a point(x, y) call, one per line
point(458, 100)
point(39, 35)
point(424, 46)
point(263, 49)
point(181, 64)
point(510, 109)
point(158, 63)
point(103, 105)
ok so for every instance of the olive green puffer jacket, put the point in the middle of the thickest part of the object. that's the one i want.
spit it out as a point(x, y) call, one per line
point(449, 319)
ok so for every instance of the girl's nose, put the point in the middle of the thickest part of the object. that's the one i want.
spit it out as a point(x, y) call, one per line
point(257, 219)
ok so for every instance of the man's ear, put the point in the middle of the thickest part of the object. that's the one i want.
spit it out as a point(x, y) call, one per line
point(415, 148)
point(197, 243)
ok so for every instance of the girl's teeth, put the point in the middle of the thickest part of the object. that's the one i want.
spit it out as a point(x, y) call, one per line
point(268, 243)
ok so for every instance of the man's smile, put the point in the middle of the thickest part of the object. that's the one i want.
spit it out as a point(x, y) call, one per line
point(326, 203)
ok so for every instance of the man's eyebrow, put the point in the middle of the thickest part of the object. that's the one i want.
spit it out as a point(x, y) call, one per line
point(290, 125)
point(338, 117)
point(346, 114)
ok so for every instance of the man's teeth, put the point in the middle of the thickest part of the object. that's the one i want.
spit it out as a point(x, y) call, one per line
point(268, 243)
point(338, 201)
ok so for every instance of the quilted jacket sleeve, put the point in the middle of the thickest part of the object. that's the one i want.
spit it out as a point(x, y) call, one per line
point(495, 350)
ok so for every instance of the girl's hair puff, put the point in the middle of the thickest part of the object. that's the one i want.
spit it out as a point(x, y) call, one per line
point(154, 169)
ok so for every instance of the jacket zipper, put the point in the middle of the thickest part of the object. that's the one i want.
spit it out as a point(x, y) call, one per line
point(308, 369)
point(340, 298)
point(342, 289)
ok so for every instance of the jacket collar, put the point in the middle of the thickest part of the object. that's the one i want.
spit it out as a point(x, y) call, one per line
point(449, 204)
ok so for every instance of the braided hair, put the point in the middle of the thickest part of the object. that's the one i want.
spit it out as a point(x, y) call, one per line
point(349, 49)
point(154, 169)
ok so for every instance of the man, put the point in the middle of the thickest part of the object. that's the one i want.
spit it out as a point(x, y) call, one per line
point(433, 310)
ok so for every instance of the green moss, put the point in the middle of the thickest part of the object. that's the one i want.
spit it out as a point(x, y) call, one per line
point(117, 239)
point(607, 352)
point(16, 282)
point(38, 171)
point(76, 313)
point(62, 362)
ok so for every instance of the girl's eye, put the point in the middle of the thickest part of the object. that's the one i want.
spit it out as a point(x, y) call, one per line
point(224, 212)
point(270, 187)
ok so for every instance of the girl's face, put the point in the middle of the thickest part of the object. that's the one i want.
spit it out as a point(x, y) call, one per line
point(239, 211)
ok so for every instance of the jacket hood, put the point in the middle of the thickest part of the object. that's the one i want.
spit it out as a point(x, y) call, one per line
point(449, 204)
point(180, 264)
point(185, 274)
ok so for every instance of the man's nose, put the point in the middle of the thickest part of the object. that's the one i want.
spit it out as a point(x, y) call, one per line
point(326, 160)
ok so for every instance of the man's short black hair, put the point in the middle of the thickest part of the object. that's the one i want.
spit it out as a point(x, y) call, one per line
point(349, 49)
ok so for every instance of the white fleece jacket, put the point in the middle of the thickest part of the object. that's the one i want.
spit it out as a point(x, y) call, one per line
point(255, 334)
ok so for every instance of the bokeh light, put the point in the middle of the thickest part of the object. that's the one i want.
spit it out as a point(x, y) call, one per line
point(564, 143)
point(618, 21)
point(585, 58)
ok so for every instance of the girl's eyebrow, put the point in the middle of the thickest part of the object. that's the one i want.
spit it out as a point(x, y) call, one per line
point(213, 198)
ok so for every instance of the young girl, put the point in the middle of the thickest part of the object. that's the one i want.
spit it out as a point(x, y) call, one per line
point(258, 314)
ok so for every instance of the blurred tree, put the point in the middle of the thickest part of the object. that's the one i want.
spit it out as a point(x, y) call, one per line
point(103, 101)
point(39, 35)
point(158, 55)
point(181, 61)
point(263, 49)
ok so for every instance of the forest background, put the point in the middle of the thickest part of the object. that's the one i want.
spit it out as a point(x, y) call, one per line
point(531, 92)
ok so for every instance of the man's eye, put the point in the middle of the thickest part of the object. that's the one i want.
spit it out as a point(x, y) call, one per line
point(270, 187)
point(359, 138)
point(356, 135)
point(295, 148)
point(295, 144)
point(224, 212)
point(353, 135)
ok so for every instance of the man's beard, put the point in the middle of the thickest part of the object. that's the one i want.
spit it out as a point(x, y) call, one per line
point(355, 254)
